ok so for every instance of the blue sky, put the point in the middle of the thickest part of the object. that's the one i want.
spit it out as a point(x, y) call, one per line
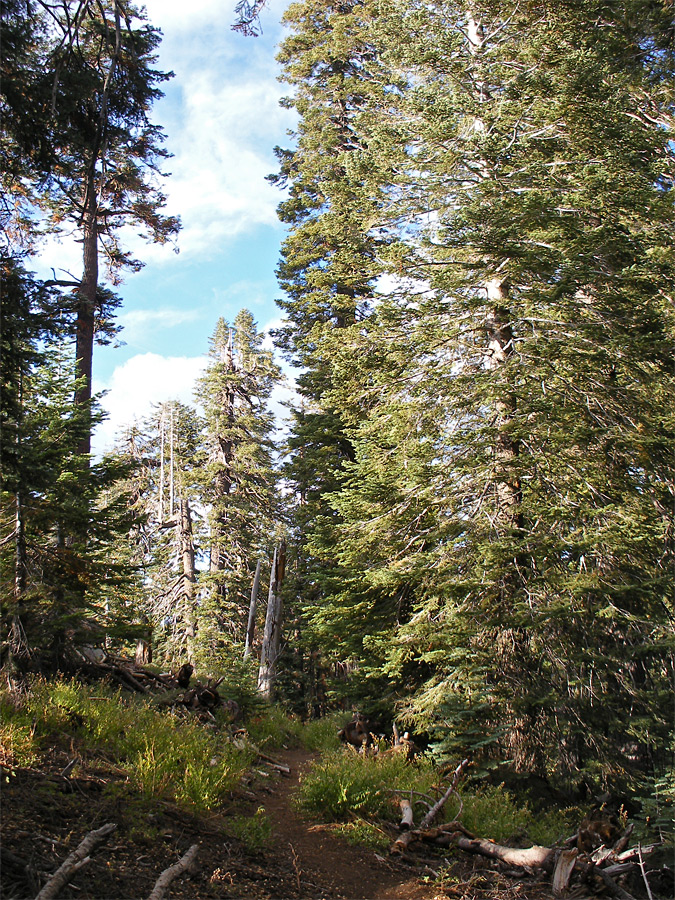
point(222, 119)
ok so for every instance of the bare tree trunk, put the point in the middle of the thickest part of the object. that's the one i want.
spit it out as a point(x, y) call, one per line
point(250, 628)
point(225, 455)
point(189, 575)
point(18, 644)
point(86, 305)
point(171, 466)
point(272, 635)
point(161, 468)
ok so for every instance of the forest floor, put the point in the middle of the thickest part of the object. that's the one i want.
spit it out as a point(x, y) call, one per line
point(45, 815)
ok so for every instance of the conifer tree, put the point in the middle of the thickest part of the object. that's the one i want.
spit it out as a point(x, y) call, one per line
point(329, 261)
point(89, 87)
point(238, 479)
point(57, 583)
point(505, 523)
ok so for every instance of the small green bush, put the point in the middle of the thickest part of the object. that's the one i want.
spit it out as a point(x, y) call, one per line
point(18, 744)
point(274, 728)
point(322, 734)
point(494, 813)
point(343, 783)
point(255, 831)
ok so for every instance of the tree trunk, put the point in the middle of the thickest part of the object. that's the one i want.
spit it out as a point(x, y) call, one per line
point(18, 645)
point(143, 655)
point(250, 629)
point(225, 455)
point(189, 575)
point(86, 306)
point(272, 635)
point(500, 349)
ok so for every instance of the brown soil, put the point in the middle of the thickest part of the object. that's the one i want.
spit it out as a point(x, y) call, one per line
point(323, 864)
point(45, 816)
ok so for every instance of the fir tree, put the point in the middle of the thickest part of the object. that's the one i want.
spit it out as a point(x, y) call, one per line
point(57, 583)
point(88, 83)
point(505, 528)
point(238, 478)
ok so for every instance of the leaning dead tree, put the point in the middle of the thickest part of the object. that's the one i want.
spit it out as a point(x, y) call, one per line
point(272, 636)
point(250, 628)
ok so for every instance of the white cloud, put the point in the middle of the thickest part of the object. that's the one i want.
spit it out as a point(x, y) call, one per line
point(138, 384)
point(59, 255)
point(222, 154)
point(137, 323)
point(222, 119)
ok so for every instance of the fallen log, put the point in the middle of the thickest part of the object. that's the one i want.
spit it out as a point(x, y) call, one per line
point(77, 859)
point(402, 842)
point(532, 857)
point(169, 875)
point(562, 873)
point(611, 885)
point(445, 835)
point(406, 815)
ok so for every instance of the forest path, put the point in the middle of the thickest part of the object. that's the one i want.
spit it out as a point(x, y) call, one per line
point(325, 865)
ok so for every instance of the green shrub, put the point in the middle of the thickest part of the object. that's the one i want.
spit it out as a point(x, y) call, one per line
point(255, 831)
point(274, 728)
point(239, 682)
point(343, 783)
point(18, 744)
point(492, 812)
point(322, 734)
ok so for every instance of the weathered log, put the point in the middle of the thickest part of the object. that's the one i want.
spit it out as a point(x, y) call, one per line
point(563, 871)
point(611, 885)
point(124, 675)
point(445, 835)
point(77, 859)
point(280, 767)
point(622, 843)
point(533, 857)
point(402, 842)
point(169, 875)
point(406, 815)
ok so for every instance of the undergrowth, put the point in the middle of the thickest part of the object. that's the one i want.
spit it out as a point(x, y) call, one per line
point(342, 785)
point(322, 734)
point(162, 754)
point(274, 728)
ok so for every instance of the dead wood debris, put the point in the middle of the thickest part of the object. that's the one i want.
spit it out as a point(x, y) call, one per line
point(77, 859)
point(585, 859)
point(171, 689)
point(169, 875)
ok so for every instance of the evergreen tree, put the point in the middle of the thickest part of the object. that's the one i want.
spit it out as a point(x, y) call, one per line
point(57, 583)
point(88, 84)
point(238, 478)
point(329, 263)
point(505, 522)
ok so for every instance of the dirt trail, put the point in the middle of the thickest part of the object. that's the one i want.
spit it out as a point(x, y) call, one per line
point(325, 865)
point(45, 816)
